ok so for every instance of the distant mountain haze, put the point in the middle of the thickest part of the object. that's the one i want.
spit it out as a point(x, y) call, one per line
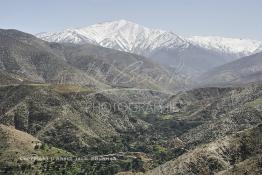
point(242, 71)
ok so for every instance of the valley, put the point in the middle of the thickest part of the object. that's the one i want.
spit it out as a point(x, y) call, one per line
point(68, 118)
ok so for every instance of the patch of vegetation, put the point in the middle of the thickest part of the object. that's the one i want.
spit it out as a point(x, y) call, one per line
point(62, 88)
point(166, 117)
point(255, 103)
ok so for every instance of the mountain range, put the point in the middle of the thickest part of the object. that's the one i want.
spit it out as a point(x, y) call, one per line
point(167, 57)
point(130, 37)
point(163, 47)
point(27, 58)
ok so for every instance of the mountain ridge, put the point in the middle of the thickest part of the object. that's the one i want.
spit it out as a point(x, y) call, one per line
point(131, 37)
point(30, 58)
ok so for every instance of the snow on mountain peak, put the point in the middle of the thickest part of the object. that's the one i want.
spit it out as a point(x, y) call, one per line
point(130, 37)
point(121, 35)
point(241, 47)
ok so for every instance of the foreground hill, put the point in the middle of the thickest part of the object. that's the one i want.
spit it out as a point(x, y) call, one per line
point(85, 122)
point(239, 153)
point(17, 147)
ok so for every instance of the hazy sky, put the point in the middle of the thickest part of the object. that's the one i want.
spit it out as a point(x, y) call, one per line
point(231, 18)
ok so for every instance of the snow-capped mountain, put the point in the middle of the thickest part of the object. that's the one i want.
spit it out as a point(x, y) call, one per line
point(234, 46)
point(130, 37)
point(188, 56)
point(121, 35)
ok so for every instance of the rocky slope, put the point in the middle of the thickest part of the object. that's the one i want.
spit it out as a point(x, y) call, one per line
point(33, 59)
point(7, 78)
point(229, 155)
